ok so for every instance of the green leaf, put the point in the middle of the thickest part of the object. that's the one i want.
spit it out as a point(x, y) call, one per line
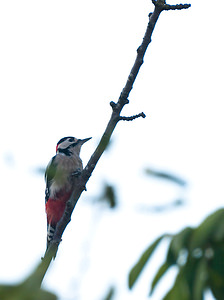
point(110, 294)
point(216, 284)
point(190, 280)
point(162, 270)
point(218, 235)
point(110, 195)
point(184, 282)
point(22, 292)
point(200, 280)
point(166, 176)
point(180, 290)
point(207, 230)
point(216, 270)
point(179, 242)
point(137, 269)
point(217, 261)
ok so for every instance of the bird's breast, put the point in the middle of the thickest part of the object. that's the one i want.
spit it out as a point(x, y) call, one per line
point(63, 180)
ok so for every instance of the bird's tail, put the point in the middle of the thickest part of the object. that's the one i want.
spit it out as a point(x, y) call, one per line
point(50, 234)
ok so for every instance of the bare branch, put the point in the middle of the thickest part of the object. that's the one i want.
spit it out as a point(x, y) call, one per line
point(132, 117)
point(160, 5)
point(163, 6)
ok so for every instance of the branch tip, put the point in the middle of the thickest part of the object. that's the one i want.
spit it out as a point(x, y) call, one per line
point(113, 104)
point(142, 115)
point(163, 6)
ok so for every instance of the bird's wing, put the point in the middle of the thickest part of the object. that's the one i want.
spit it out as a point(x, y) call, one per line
point(49, 176)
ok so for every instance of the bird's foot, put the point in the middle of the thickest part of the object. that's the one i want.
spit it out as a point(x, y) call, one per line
point(76, 173)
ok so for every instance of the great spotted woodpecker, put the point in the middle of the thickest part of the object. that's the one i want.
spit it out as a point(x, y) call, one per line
point(60, 176)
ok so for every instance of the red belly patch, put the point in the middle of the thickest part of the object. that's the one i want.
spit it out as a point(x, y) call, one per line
point(55, 208)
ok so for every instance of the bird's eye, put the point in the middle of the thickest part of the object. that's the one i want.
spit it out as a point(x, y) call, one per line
point(71, 140)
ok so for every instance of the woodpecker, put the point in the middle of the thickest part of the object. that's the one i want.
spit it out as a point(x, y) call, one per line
point(60, 180)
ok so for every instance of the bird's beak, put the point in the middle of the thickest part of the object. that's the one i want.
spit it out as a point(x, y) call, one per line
point(85, 140)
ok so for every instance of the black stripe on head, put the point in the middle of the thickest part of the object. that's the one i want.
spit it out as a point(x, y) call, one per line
point(65, 151)
point(70, 138)
point(74, 144)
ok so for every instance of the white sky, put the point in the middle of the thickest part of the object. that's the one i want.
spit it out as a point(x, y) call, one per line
point(61, 63)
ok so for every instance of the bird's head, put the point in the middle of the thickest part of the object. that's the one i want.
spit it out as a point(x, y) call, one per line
point(70, 145)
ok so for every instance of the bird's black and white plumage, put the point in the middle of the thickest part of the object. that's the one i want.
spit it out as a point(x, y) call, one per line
point(60, 180)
